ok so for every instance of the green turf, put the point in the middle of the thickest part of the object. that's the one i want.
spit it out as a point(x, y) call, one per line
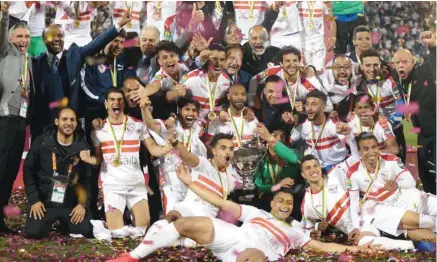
point(410, 138)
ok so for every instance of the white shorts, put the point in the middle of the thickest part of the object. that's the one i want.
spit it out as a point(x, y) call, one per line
point(170, 198)
point(287, 40)
point(229, 241)
point(314, 53)
point(120, 199)
point(196, 209)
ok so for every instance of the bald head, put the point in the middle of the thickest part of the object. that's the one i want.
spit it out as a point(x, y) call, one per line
point(53, 37)
point(237, 96)
point(404, 62)
point(258, 39)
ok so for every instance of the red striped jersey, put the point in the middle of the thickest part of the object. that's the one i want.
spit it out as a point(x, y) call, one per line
point(249, 14)
point(311, 23)
point(120, 7)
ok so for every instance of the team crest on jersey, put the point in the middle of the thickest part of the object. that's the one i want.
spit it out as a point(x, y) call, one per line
point(159, 77)
point(130, 128)
point(102, 68)
point(333, 188)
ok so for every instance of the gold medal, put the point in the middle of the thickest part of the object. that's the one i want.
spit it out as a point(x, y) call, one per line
point(212, 116)
point(23, 92)
point(116, 162)
point(129, 25)
point(76, 24)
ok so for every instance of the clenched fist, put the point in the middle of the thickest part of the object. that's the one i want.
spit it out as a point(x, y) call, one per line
point(85, 156)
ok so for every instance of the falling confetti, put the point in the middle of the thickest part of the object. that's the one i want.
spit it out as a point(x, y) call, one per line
point(276, 187)
point(110, 208)
point(236, 253)
point(425, 83)
point(364, 99)
point(411, 164)
point(412, 108)
point(59, 104)
point(11, 211)
point(415, 130)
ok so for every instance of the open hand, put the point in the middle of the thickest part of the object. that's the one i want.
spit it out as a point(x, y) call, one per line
point(37, 210)
point(391, 185)
point(184, 174)
point(5, 6)
point(126, 18)
point(77, 214)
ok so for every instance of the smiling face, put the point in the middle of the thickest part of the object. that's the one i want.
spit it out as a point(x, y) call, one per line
point(364, 111)
point(148, 41)
point(217, 63)
point(66, 122)
point(258, 40)
point(188, 115)
point(233, 35)
point(273, 92)
point(169, 62)
point(234, 61)
point(369, 151)
point(54, 39)
point(115, 47)
point(115, 104)
point(20, 37)
point(311, 171)
point(282, 205)
point(314, 108)
point(290, 63)
point(342, 69)
point(237, 96)
point(404, 63)
point(362, 41)
point(223, 152)
point(371, 66)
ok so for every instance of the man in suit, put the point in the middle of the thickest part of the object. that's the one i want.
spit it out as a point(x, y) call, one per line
point(57, 72)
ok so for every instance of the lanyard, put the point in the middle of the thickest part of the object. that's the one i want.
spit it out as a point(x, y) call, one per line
point(129, 8)
point(292, 98)
point(373, 95)
point(251, 6)
point(188, 145)
point(54, 167)
point(313, 138)
point(225, 192)
point(407, 99)
point(211, 94)
point(238, 134)
point(117, 144)
point(218, 7)
point(170, 78)
point(114, 73)
point(310, 13)
point(273, 172)
point(361, 128)
point(323, 215)
point(23, 81)
point(378, 165)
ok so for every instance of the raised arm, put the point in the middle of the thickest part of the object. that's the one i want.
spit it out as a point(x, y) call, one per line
point(4, 24)
point(147, 115)
point(188, 158)
point(155, 149)
point(225, 205)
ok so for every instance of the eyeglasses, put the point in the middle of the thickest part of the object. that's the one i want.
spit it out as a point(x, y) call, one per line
point(339, 68)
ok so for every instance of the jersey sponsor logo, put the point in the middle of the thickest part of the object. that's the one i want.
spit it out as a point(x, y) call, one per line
point(333, 188)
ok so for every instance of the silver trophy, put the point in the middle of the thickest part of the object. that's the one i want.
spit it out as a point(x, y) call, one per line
point(247, 161)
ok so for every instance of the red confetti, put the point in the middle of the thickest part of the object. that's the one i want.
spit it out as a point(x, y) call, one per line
point(412, 108)
point(11, 211)
point(276, 187)
point(147, 242)
point(415, 130)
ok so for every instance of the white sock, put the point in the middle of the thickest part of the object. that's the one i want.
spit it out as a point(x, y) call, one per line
point(165, 237)
point(156, 227)
point(426, 221)
point(120, 233)
point(387, 243)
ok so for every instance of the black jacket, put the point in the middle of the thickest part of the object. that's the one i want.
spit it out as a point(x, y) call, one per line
point(423, 92)
point(38, 168)
point(253, 65)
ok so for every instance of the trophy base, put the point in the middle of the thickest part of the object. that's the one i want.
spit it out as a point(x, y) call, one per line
point(247, 197)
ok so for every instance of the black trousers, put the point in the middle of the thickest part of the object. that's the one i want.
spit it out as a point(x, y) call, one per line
point(344, 34)
point(40, 228)
point(426, 158)
point(12, 137)
point(400, 140)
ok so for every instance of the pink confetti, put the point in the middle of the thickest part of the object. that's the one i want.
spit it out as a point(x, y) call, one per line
point(412, 108)
point(11, 211)
point(282, 100)
point(276, 187)
point(238, 184)
point(425, 83)
point(415, 130)
point(236, 253)
point(147, 242)
point(350, 91)
point(60, 103)
point(364, 99)
point(411, 164)
point(110, 208)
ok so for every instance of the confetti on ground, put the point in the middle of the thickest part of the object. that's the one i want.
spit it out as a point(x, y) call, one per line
point(412, 108)
point(59, 104)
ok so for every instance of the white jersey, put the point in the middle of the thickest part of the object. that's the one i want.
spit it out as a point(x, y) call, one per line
point(328, 146)
point(216, 127)
point(272, 236)
point(249, 14)
point(157, 12)
point(382, 130)
point(385, 95)
point(209, 178)
point(20, 10)
point(75, 19)
point(391, 168)
point(120, 7)
point(337, 203)
point(37, 22)
point(311, 23)
point(129, 173)
point(167, 82)
point(196, 83)
point(285, 30)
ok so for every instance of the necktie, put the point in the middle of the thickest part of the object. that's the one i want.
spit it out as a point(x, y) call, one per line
point(55, 64)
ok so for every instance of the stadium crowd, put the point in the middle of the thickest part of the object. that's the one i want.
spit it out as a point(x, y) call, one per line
point(167, 101)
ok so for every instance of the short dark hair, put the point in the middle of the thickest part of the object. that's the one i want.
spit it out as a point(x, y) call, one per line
point(130, 77)
point(283, 190)
point(370, 53)
point(273, 79)
point(62, 110)
point(306, 158)
point(219, 137)
point(361, 97)
point(122, 33)
point(169, 46)
point(289, 50)
point(232, 47)
point(183, 101)
point(217, 47)
point(365, 136)
point(113, 90)
point(359, 29)
point(318, 94)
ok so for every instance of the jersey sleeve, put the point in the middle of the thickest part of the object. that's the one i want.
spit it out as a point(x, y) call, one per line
point(95, 139)
point(213, 128)
point(300, 239)
point(307, 223)
point(248, 212)
point(159, 78)
point(296, 133)
point(202, 166)
point(403, 176)
point(144, 132)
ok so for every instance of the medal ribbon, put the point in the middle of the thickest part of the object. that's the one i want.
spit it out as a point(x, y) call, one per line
point(378, 165)
point(323, 215)
point(188, 145)
point(225, 192)
point(292, 98)
point(211, 94)
point(117, 145)
point(310, 13)
point(23, 81)
point(273, 172)
point(313, 138)
point(114, 73)
point(407, 100)
point(159, 5)
point(218, 7)
point(251, 7)
point(70, 167)
point(238, 134)
point(361, 128)
point(76, 13)
point(373, 95)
